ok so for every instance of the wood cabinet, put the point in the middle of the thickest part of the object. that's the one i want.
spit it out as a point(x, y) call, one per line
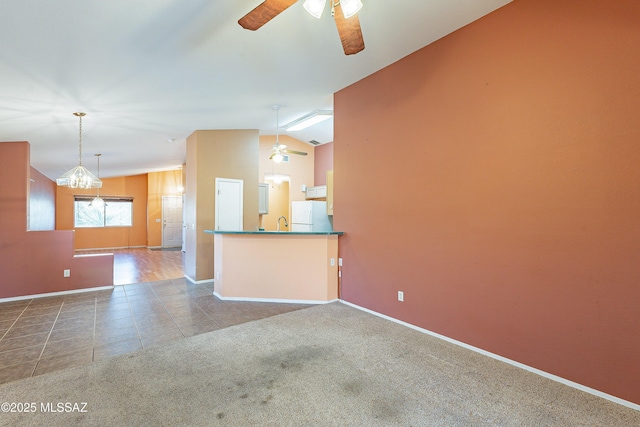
point(263, 198)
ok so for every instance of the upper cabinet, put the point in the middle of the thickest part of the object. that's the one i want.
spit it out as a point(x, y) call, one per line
point(323, 192)
point(263, 199)
point(317, 192)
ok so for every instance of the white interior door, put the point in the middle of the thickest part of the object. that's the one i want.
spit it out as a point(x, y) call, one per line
point(171, 221)
point(229, 213)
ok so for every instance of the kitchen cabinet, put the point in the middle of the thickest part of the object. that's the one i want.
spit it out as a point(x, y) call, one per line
point(311, 193)
point(263, 198)
point(317, 192)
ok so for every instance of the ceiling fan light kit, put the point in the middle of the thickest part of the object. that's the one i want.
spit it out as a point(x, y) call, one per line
point(280, 149)
point(350, 7)
point(79, 176)
point(343, 11)
point(315, 7)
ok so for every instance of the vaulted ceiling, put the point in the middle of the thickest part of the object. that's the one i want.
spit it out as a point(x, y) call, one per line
point(150, 72)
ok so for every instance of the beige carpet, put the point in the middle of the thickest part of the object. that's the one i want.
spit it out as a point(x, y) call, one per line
point(329, 365)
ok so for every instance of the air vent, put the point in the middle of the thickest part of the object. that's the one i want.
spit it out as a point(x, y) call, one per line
point(314, 142)
point(285, 158)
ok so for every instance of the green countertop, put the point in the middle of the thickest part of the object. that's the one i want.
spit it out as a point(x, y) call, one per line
point(271, 233)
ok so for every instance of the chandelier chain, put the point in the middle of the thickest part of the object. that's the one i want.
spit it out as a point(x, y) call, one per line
point(80, 144)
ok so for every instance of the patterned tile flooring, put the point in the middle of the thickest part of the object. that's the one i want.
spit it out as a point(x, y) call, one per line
point(49, 333)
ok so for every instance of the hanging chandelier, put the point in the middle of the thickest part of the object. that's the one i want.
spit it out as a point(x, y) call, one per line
point(79, 177)
point(98, 201)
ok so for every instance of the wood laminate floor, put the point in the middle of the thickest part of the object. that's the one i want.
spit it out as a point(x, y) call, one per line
point(138, 265)
point(153, 305)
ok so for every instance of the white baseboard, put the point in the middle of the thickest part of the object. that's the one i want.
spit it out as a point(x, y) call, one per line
point(53, 294)
point(197, 282)
point(504, 359)
point(109, 249)
point(278, 300)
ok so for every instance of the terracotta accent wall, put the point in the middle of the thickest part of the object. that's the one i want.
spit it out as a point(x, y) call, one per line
point(160, 184)
point(42, 202)
point(107, 237)
point(32, 262)
point(210, 154)
point(507, 207)
point(323, 163)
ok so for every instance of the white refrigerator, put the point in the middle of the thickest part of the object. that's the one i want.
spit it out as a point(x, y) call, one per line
point(310, 215)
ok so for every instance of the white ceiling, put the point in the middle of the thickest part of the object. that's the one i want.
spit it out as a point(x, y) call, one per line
point(150, 72)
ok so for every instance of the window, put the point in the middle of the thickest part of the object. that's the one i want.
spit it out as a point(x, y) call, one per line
point(117, 212)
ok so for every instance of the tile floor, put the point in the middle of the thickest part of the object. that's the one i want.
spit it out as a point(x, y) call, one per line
point(46, 334)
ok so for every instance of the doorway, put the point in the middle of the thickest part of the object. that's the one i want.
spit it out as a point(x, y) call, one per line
point(279, 200)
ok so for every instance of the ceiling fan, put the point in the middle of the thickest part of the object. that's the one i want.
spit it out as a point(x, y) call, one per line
point(345, 13)
point(279, 150)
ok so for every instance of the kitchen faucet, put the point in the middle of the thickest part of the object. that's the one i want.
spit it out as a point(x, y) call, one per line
point(286, 224)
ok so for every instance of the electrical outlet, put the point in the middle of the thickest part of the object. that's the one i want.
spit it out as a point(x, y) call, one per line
point(400, 296)
point(340, 262)
point(67, 273)
point(333, 262)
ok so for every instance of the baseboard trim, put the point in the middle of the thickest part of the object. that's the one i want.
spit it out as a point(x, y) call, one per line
point(53, 294)
point(504, 359)
point(108, 249)
point(198, 282)
point(278, 300)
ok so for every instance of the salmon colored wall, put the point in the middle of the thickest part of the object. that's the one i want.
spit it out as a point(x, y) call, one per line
point(507, 208)
point(107, 237)
point(159, 184)
point(323, 163)
point(32, 262)
point(42, 202)
point(273, 267)
point(210, 154)
point(299, 169)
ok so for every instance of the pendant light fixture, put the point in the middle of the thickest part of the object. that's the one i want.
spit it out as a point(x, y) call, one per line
point(98, 202)
point(79, 177)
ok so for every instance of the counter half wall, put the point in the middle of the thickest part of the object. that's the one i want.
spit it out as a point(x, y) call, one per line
point(276, 266)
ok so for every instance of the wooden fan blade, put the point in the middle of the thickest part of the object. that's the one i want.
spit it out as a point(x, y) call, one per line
point(271, 156)
point(263, 13)
point(350, 32)
point(301, 153)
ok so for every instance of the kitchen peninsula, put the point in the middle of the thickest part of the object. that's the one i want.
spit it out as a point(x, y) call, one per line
point(276, 266)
